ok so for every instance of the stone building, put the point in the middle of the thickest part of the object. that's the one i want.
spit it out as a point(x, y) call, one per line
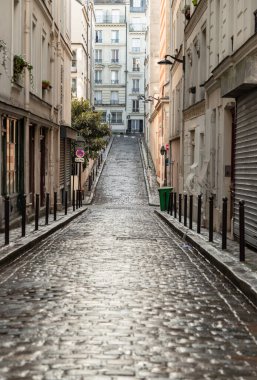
point(119, 58)
point(35, 97)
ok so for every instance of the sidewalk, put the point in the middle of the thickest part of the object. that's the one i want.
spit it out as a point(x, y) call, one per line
point(18, 245)
point(242, 274)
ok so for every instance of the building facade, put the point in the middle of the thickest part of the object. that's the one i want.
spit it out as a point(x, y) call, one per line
point(35, 98)
point(119, 56)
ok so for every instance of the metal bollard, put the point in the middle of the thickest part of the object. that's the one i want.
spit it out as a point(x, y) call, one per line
point(23, 215)
point(55, 205)
point(93, 175)
point(47, 208)
point(179, 207)
point(175, 205)
point(37, 212)
point(185, 210)
point(77, 199)
point(7, 220)
point(224, 223)
point(171, 202)
point(191, 212)
point(168, 206)
point(66, 202)
point(199, 210)
point(73, 199)
point(241, 230)
point(211, 218)
point(89, 182)
point(80, 198)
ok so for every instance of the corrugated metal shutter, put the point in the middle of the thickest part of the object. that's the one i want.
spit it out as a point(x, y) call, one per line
point(62, 161)
point(246, 165)
point(68, 161)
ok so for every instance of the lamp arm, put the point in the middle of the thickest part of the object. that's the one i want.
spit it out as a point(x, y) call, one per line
point(175, 59)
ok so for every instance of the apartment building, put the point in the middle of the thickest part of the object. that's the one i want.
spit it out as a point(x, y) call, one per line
point(35, 133)
point(119, 57)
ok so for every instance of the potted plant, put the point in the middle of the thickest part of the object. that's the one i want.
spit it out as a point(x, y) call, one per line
point(195, 2)
point(19, 65)
point(46, 85)
point(186, 11)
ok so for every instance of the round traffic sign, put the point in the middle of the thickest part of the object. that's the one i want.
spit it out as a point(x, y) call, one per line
point(80, 153)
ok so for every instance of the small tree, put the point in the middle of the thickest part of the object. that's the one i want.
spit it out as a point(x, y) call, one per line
point(88, 123)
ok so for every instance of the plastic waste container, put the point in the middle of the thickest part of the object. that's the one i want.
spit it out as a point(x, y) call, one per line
point(164, 193)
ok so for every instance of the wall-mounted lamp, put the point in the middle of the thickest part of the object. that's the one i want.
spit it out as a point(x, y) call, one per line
point(151, 98)
point(166, 61)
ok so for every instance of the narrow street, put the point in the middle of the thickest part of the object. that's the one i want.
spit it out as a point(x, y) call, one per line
point(117, 295)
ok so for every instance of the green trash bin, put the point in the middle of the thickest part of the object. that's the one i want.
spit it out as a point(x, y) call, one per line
point(164, 193)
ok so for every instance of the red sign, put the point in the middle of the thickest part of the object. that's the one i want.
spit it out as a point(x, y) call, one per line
point(167, 146)
point(80, 153)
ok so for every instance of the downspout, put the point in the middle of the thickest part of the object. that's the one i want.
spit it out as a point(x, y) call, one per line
point(126, 69)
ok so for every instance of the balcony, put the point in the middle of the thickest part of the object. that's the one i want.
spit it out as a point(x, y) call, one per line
point(115, 40)
point(98, 81)
point(114, 101)
point(98, 102)
point(115, 60)
point(109, 2)
point(111, 20)
point(135, 49)
point(98, 40)
point(114, 81)
point(135, 90)
point(136, 68)
point(135, 109)
point(98, 60)
point(137, 9)
point(74, 66)
point(137, 27)
point(117, 122)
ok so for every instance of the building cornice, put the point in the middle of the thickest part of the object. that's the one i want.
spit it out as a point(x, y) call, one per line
point(196, 110)
point(195, 18)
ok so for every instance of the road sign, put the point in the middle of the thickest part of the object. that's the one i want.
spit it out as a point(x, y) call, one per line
point(80, 153)
point(79, 159)
point(167, 146)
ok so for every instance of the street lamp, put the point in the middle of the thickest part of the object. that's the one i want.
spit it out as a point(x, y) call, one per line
point(163, 152)
point(151, 98)
point(166, 61)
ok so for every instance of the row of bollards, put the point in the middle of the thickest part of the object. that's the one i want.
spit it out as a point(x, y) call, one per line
point(77, 198)
point(172, 210)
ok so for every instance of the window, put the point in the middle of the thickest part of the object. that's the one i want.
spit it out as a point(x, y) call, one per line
point(136, 3)
point(116, 117)
point(104, 116)
point(115, 36)
point(135, 105)
point(115, 15)
point(99, 36)
point(98, 76)
point(135, 87)
point(136, 64)
point(99, 16)
point(74, 87)
point(136, 24)
point(135, 126)
point(98, 56)
point(114, 77)
point(74, 61)
point(98, 97)
point(115, 56)
point(136, 45)
point(114, 97)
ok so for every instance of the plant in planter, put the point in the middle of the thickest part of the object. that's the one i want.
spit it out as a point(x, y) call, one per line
point(186, 11)
point(195, 2)
point(46, 85)
point(19, 65)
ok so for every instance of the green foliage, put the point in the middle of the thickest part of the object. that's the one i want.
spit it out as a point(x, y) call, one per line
point(89, 125)
point(19, 64)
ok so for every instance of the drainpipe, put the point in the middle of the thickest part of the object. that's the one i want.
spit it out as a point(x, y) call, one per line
point(126, 70)
point(27, 52)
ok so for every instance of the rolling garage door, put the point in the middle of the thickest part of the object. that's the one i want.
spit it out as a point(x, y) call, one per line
point(246, 165)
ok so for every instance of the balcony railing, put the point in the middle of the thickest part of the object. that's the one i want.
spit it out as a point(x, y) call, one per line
point(98, 81)
point(135, 49)
point(111, 20)
point(115, 40)
point(137, 9)
point(117, 122)
point(136, 68)
point(135, 109)
point(137, 27)
point(109, 2)
point(114, 81)
point(135, 90)
point(98, 40)
point(98, 60)
point(98, 102)
point(115, 60)
point(114, 101)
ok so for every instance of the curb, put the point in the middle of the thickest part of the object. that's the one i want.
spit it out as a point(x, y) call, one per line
point(228, 266)
point(18, 251)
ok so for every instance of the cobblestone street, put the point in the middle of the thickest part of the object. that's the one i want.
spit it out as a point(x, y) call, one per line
point(116, 295)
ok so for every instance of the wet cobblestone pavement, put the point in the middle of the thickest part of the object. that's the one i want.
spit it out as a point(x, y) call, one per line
point(116, 295)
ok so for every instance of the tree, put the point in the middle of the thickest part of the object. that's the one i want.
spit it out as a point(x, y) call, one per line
point(88, 123)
